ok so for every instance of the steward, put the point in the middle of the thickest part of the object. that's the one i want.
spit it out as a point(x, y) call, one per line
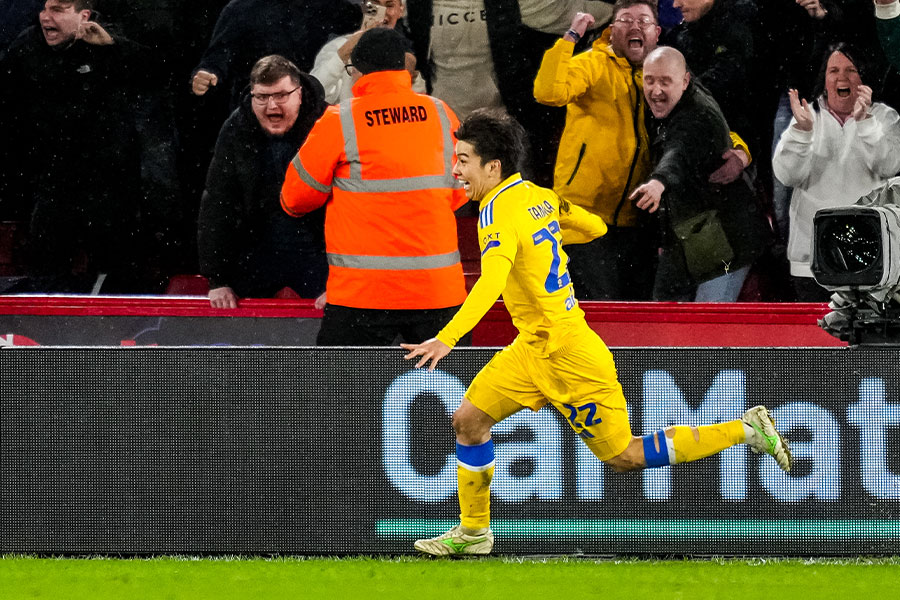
point(381, 163)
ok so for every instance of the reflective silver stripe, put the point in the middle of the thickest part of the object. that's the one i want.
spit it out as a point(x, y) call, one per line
point(355, 183)
point(351, 146)
point(405, 184)
point(307, 178)
point(448, 135)
point(394, 263)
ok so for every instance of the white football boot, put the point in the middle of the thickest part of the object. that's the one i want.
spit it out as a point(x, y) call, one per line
point(457, 541)
point(763, 438)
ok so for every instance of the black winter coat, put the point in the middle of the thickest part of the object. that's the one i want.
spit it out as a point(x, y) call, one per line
point(790, 45)
point(16, 15)
point(242, 229)
point(719, 49)
point(686, 147)
point(67, 123)
point(248, 30)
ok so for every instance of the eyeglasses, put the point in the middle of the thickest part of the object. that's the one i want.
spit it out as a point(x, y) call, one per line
point(643, 22)
point(350, 69)
point(278, 97)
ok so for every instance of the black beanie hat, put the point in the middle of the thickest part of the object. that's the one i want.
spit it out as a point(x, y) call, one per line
point(379, 49)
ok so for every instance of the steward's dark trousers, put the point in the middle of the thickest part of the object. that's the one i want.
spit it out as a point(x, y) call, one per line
point(344, 326)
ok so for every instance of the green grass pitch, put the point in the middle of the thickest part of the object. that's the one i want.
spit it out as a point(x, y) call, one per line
point(424, 578)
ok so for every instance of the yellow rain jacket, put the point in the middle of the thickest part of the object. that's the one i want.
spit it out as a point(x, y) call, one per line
point(604, 151)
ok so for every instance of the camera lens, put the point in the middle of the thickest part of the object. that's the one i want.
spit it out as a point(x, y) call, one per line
point(852, 244)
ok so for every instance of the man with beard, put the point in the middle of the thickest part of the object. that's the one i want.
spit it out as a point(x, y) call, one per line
point(604, 150)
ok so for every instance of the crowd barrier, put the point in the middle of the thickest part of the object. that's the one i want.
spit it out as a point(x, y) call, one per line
point(189, 321)
point(344, 451)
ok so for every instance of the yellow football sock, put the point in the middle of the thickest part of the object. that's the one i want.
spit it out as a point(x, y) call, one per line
point(694, 443)
point(474, 497)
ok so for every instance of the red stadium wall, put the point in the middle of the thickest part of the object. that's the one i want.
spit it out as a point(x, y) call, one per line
point(620, 324)
point(636, 324)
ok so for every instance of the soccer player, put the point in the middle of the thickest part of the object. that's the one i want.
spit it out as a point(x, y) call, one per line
point(556, 357)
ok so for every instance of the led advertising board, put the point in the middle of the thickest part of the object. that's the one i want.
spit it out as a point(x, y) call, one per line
point(344, 451)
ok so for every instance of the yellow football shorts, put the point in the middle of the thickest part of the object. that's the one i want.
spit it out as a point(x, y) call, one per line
point(579, 380)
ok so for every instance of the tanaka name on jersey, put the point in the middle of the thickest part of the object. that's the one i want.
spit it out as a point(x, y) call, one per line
point(396, 114)
point(541, 210)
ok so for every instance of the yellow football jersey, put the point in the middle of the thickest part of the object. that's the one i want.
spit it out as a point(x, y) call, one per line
point(527, 224)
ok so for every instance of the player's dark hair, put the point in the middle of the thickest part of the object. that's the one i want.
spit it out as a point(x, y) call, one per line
point(651, 4)
point(271, 69)
point(495, 136)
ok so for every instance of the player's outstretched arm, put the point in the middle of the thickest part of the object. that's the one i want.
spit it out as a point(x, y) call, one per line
point(494, 273)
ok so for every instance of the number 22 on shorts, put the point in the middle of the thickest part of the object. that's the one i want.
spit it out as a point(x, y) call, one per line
point(582, 417)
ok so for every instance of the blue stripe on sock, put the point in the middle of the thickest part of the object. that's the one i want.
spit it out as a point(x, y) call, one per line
point(654, 457)
point(476, 456)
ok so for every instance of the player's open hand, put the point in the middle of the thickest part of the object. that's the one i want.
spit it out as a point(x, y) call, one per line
point(430, 350)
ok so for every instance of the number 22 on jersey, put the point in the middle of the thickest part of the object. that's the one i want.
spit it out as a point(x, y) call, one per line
point(556, 280)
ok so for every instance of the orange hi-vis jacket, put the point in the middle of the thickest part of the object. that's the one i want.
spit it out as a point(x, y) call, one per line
point(382, 161)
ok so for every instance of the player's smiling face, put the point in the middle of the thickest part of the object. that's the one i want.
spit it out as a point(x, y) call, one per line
point(477, 179)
